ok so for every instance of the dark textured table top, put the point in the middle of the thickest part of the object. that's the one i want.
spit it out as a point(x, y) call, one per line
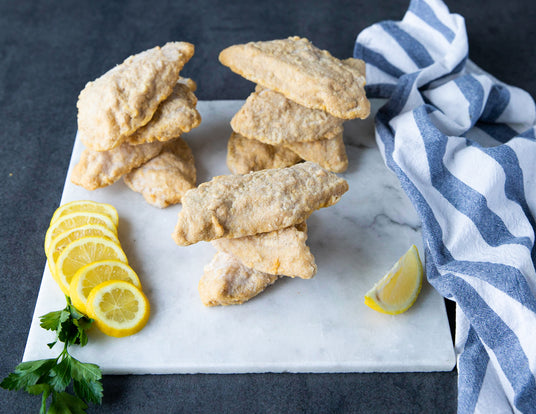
point(49, 50)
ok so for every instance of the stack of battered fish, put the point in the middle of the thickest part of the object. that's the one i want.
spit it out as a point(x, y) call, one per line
point(256, 221)
point(303, 96)
point(131, 120)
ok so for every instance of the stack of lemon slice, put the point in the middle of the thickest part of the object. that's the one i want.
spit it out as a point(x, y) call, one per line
point(88, 263)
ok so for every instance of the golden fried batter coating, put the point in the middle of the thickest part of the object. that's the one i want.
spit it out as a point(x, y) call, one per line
point(258, 202)
point(227, 281)
point(303, 73)
point(176, 115)
point(101, 168)
point(271, 118)
point(126, 97)
point(164, 179)
point(279, 252)
point(245, 155)
point(328, 153)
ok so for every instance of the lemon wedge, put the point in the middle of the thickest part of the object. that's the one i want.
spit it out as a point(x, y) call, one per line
point(81, 252)
point(397, 291)
point(73, 220)
point(93, 274)
point(119, 308)
point(86, 206)
point(59, 242)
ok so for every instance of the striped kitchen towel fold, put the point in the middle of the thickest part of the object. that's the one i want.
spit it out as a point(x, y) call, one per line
point(464, 149)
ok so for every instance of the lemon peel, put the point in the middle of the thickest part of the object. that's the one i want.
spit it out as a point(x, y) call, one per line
point(398, 290)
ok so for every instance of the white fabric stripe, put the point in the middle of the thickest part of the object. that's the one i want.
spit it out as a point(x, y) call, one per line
point(520, 319)
point(462, 331)
point(520, 110)
point(379, 76)
point(396, 53)
point(429, 37)
point(507, 389)
point(414, 100)
point(492, 398)
point(486, 177)
point(452, 20)
point(458, 115)
point(526, 154)
point(477, 135)
point(460, 235)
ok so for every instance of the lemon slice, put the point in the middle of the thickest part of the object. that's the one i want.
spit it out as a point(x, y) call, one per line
point(119, 308)
point(86, 206)
point(89, 276)
point(84, 251)
point(59, 242)
point(397, 291)
point(73, 220)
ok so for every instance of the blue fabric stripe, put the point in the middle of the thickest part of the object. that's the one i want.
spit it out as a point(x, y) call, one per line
point(413, 48)
point(498, 100)
point(501, 132)
point(425, 12)
point(513, 187)
point(380, 90)
point(460, 195)
point(474, 93)
point(431, 229)
point(457, 69)
point(502, 340)
point(486, 326)
point(374, 58)
point(529, 134)
point(512, 282)
point(475, 358)
point(400, 95)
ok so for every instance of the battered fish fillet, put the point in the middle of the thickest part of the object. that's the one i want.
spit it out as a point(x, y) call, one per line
point(303, 73)
point(258, 202)
point(328, 153)
point(126, 97)
point(164, 179)
point(271, 118)
point(226, 281)
point(245, 155)
point(101, 168)
point(279, 252)
point(176, 115)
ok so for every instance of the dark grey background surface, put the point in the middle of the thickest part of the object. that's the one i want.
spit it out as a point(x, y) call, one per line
point(50, 49)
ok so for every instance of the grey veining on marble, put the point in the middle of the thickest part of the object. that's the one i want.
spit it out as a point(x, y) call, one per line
point(317, 325)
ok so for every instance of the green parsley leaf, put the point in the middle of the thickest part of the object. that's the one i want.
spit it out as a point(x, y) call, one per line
point(86, 381)
point(60, 374)
point(64, 403)
point(50, 321)
point(27, 374)
point(51, 377)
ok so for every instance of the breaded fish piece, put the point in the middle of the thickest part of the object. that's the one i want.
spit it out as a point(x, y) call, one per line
point(269, 117)
point(303, 73)
point(328, 153)
point(226, 281)
point(245, 155)
point(101, 168)
point(164, 179)
point(279, 252)
point(258, 202)
point(176, 115)
point(126, 97)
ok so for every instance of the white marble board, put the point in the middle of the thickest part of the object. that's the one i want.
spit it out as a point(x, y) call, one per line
point(317, 325)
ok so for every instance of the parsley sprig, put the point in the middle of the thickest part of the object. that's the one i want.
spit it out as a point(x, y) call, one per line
point(51, 377)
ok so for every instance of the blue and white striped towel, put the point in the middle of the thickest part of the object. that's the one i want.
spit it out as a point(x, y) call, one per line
point(463, 147)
